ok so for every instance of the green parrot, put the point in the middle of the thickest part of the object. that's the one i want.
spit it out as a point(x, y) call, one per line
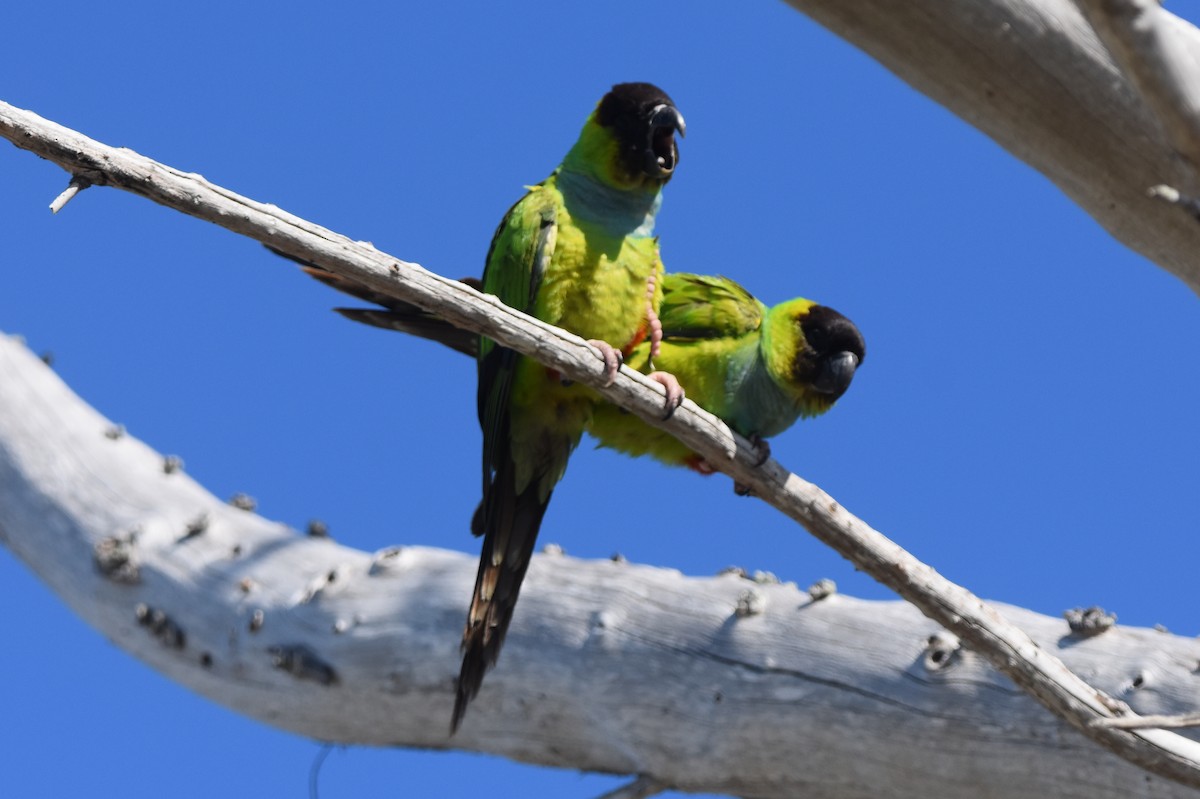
point(759, 369)
point(577, 251)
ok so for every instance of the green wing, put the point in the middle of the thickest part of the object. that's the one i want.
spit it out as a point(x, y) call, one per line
point(707, 307)
point(517, 260)
point(510, 513)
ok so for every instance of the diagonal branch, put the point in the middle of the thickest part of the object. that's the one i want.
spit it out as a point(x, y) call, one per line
point(1009, 649)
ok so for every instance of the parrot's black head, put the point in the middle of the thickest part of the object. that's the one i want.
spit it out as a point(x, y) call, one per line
point(835, 350)
point(642, 120)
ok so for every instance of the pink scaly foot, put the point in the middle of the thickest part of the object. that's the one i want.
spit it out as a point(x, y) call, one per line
point(654, 333)
point(653, 324)
point(612, 359)
point(674, 391)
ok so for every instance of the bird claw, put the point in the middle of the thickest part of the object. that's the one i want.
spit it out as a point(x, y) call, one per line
point(762, 448)
point(674, 391)
point(612, 359)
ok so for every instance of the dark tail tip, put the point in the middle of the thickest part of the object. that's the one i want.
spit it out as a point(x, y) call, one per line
point(470, 678)
point(460, 710)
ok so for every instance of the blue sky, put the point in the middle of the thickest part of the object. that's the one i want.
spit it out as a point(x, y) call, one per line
point(1023, 420)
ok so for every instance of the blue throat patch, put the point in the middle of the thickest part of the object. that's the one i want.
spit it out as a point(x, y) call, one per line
point(619, 213)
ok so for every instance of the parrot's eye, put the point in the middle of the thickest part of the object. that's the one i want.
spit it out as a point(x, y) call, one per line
point(815, 337)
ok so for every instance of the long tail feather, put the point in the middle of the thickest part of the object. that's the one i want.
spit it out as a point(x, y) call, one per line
point(511, 522)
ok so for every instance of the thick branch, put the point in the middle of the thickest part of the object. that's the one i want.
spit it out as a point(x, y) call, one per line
point(609, 666)
point(1032, 75)
point(1162, 61)
point(1006, 646)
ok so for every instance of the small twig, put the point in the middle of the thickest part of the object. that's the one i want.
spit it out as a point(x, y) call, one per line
point(314, 771)
point(76, 185)
point(638, 789)
point(1148, 722)
point(1169, 194)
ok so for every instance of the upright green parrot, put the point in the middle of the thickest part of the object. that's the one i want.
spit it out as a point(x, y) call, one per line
point(759, 369)
point(577, 251)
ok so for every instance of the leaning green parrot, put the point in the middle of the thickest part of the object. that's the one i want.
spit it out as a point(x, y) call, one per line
point(759, 369)
point(577, 251)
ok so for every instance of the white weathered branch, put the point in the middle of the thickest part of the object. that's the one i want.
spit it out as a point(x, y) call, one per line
point(1162, 61)
point(1033, 76)
point(1142, 722)
point(1008, 648)
point(609, 667)
point(76, 185)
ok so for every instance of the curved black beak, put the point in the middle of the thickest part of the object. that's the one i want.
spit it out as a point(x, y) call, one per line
point(835, 373)
point(668, 116)
point(661, 153)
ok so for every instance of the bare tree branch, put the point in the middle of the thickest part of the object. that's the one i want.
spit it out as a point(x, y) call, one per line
point(609, 667)
point(76, 185)
point(1033, 76)
point(1159, 55)
point(1009, 649)
point(1145, 722)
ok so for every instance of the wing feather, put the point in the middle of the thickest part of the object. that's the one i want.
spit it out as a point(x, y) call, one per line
point(706, 307)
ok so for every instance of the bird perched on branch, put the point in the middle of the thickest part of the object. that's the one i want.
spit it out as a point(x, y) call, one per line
point(759, 369)
point(577, 251)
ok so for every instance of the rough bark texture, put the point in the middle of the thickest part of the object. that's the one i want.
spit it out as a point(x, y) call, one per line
point(610, 666)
